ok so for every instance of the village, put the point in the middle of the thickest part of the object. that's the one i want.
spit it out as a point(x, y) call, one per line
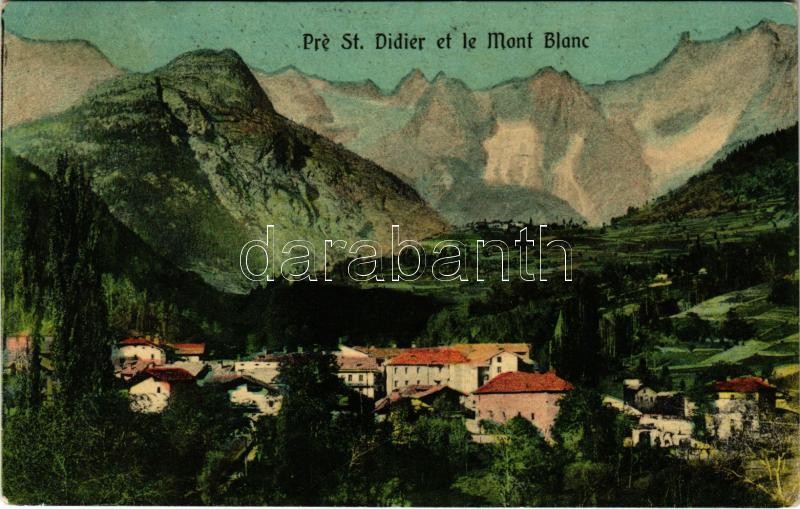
point(489, 382)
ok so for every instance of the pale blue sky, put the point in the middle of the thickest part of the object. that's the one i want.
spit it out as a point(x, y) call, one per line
point(625, 38)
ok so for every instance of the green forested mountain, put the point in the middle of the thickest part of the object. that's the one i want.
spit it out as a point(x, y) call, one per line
point(149, 294)
point(136, 276)
point(761, 174)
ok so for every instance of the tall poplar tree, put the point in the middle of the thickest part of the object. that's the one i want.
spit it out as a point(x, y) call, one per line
point(81, 346)
point(32, 292)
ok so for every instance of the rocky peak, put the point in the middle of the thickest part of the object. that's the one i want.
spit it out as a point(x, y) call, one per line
point(770, 27)
point(414, 76)
point(218, 79)
point(42, 78)
point(366, 88)
point(411, 87)
point(558, 89)
point(548, 76)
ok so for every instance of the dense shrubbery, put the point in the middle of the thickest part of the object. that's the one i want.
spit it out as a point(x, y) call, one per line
point(97, 451)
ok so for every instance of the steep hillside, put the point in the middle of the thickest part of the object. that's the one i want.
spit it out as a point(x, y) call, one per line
point(297, 97)
point(550, 135)
point(122, 254)
point(180, 304)
point(195, 160)
point(42, 78)
point(761, 174)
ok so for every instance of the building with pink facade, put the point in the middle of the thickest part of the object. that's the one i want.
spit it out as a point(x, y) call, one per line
point(532, 396)
point(17, 349)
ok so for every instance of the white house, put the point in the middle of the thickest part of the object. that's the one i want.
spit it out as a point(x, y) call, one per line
point(139, 349)
point(620, 406)
point(638, 395)
point(263, 367)
point(422, 366)
point(740, 405)
point(463, 367)
point(361, 374)
point(262, 398)
point(662, 431)
point(486, 361)
point(151, 389)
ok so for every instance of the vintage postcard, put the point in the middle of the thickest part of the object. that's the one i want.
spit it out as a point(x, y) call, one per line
point(400, 254)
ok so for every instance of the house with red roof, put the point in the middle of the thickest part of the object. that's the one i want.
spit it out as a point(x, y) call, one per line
point(189, 352)
point(746, 387)
point(17, 349)
point(532, 396)
point(423, 366)
point(132, 356)
point(740, 405)
point(464, 367)
point(418, 397)
point(150, 390)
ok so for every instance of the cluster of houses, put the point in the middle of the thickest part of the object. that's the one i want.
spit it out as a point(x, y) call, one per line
point(740, 406)
point(490, 381)
point(486, 381)
point(153, 369)
point(513, 227)
point(664, 418)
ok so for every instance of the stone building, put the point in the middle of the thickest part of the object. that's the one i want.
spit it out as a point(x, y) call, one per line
point(740, 405)
point(362, 374)
point(532, 396)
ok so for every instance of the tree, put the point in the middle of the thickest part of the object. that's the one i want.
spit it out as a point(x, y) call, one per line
point(578, 357)
point(430, 445)
point(735, 328)
point(763, 460)
point(205, 432)
point(784, 292)
point(81, 346)
point(693, 328)
point(33, 291)
point(588, 429)
point(311, 428)
point(520, 466)
point(664, 379)
point(95, 452)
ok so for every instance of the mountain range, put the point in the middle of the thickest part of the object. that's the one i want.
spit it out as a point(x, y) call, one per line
point(597, 148)
point(197, 157)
